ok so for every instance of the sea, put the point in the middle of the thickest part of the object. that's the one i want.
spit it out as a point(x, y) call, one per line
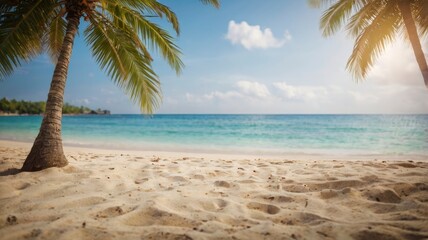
point(241, 134)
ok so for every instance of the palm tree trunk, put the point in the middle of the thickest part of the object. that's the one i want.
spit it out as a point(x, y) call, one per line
point(404, 6)
point(47, 149)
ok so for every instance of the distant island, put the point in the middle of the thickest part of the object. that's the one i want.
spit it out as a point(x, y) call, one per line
point(14, 107)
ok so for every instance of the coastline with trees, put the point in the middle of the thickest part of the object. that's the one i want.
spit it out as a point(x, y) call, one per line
point(15, 107)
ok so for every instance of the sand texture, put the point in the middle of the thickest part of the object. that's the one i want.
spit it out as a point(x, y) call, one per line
point(137, 195)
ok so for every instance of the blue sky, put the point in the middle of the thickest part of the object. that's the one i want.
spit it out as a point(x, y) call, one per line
point(246, 57)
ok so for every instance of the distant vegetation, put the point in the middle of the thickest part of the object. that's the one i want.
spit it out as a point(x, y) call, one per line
point(27, 107)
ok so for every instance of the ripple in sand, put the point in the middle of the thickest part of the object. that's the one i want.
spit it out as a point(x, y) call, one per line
point(154, 216)
point(384, 195)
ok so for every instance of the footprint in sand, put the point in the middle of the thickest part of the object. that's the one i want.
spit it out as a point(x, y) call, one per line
point(20, 185)
point(311, 219)
point(277, 198)
point(110, 212)
point(295, 188)
point(214, 206)
point(178, 179)
point(141, 181)
point(247, 181)
point(199, 177)
point(266, 208)
point(222, 184)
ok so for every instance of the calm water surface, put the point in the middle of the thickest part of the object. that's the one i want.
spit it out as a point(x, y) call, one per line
point(274, 134)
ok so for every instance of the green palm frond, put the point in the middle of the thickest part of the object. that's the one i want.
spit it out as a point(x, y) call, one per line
point(153, 36)
point(55, 35)
point(150, 8)
point(114, 50)
point(104, 49)
point(159, 39)
point(373, 39)
point(215, 3)
point(21, 32)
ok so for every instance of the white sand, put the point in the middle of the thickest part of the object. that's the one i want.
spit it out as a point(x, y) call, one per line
point(106, 194)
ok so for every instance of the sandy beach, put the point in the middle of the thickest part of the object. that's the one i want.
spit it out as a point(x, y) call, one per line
point(105, 194)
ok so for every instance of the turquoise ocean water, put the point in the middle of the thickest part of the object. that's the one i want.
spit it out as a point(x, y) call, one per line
point(270, 134)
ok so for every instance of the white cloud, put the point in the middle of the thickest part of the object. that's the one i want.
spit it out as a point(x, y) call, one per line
point(245, 89)
point(389, 99)
point(222, 95)
point(253, 89)
point(253, 96)
point(253, 36)
point(364, 97)
point(306, 93)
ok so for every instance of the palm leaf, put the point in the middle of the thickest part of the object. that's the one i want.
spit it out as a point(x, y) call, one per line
point(150, 8)
point(420, 13)
point(373, 39)
point(114, 50)
point(159, 39)
point(21, 32)
point(55, 35)
point(319, 3)
point(215, 3)
point(153, 36)
point(364, 17)
point(335, 16)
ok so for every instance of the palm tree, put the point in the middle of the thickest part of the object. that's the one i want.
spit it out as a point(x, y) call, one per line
point(118, 33)
point(374, 24)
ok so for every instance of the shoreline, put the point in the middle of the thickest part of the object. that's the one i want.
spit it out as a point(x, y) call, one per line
point(110, 194)
point(228, 154)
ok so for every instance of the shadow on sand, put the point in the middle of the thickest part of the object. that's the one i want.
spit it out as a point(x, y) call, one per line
point(10, 171)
